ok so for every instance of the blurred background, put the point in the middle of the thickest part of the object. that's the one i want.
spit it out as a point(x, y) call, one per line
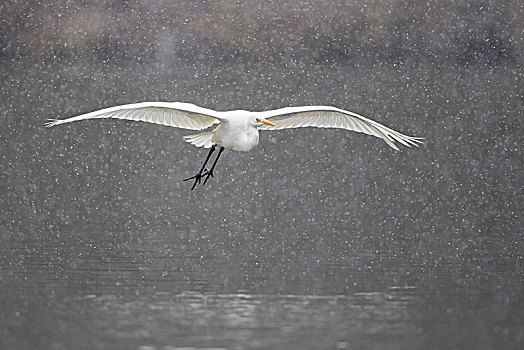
point(317, 238)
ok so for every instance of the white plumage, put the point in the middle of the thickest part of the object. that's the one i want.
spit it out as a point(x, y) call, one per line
point(238, 130)
point(190, 116)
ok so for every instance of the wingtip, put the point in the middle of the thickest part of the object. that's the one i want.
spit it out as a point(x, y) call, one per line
point(406, 141)
point(51, 122)
point(417, 140)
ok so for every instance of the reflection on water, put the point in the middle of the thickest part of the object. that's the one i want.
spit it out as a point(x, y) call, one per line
point(258, 321)
point(155, 290)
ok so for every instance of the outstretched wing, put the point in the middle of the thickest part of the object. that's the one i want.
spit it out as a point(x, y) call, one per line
point(332, 117)
point(176, 114)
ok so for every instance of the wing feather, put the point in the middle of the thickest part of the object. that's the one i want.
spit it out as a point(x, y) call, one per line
point(332, 117)
point(176, 114)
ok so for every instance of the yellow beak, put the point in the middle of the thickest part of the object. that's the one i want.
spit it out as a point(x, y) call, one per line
point(267, 122)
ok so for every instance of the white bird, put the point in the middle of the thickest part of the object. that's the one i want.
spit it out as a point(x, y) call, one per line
point(238, 130)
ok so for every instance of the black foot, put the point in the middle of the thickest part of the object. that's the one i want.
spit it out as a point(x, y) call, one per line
point(198, 178)
point(203, 171)
point(207, 174)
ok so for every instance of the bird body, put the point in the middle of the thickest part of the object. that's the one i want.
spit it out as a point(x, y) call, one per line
point(238, 130)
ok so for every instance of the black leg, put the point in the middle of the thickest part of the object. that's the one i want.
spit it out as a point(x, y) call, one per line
point(198, 176)
point(210, 172)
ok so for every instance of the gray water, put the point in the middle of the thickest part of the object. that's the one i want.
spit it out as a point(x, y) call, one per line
point(168, 288)
point(317, 239)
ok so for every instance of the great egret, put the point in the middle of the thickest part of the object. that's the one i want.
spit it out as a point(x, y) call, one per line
point(238, 130)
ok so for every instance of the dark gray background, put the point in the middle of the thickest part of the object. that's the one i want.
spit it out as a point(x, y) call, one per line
point(317, 238)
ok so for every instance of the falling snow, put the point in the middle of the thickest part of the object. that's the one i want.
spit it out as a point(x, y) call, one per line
point(318, 238)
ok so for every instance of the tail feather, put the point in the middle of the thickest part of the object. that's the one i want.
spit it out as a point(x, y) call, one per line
point(203, 139)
